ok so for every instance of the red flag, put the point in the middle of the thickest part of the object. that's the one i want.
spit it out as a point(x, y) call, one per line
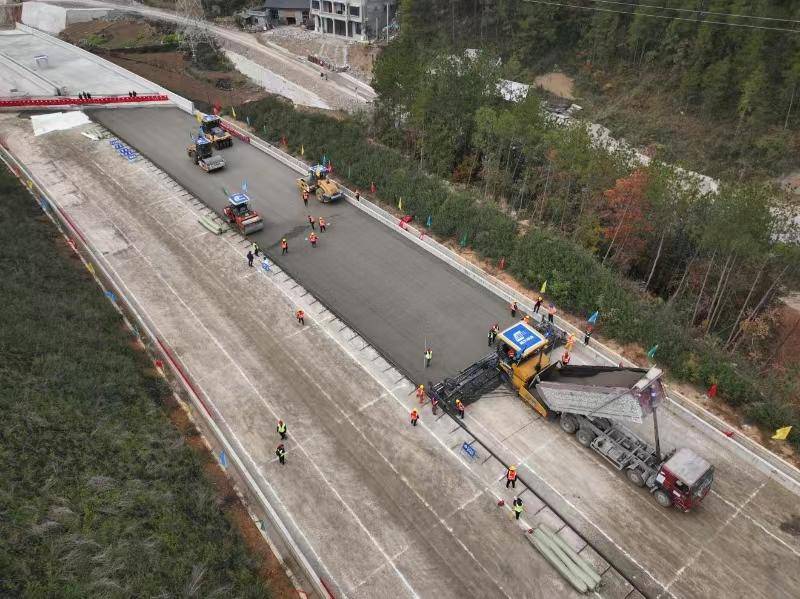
point(372, 187)
point(712, 391)
point(330, 166)
point(502, 264)
point(217, 108)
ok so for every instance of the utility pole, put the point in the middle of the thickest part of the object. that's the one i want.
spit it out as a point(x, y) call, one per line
point(192, 26)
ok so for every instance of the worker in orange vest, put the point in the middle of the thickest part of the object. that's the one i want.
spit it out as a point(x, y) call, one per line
point(313, 239)
point(565, 358)
point(301, 317)
point(414, 417)
point(570, 342)
point(305, 198)
point(421, 393)
point(511, 477)
point(460, 408)
point(284, 246)
point(322, 225)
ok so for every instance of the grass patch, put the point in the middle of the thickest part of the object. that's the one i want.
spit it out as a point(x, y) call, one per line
point(99, 496)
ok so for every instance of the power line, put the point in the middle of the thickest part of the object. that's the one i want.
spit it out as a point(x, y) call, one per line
point(695, 11)
point(666, 17)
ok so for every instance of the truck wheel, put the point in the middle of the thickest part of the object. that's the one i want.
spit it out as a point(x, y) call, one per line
point(585, 437)
point(569, 424)
point(636, 478)
point(662, 497)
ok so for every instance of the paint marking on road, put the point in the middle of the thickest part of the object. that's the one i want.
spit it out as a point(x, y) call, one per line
point(710, 539)
point(758, 524)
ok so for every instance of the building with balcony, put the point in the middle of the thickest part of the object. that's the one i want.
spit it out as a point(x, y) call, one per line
point(354, 19)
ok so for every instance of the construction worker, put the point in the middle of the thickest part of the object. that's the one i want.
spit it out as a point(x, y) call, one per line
point(551, 312)
point(588, 334)
point(517, 508)
point(284, 246)
point(491, 335)
point(428, 356)
point(460, 408)
point(526, 319)
point(256, 249)
point(513, 308)
point(311, 222)
point(313, 239)
point(538, 304)
point(414, 417)
point(281, 453)
point(358, 196)
point(565, 358)
point(305, 198)
point(434, 405)
point(421, 393)
point(249, 258)
point(570, 342)
point(322, 225)
point(282, 429)
point(301, 317)
point(511, 477)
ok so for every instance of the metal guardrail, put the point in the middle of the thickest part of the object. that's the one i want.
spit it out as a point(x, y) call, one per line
point(106, 280)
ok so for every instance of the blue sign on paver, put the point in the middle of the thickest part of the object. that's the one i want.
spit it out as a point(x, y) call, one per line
point(522, 337)
point(239, 198)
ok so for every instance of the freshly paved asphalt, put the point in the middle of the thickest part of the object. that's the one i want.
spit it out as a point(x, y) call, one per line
point(397, 295)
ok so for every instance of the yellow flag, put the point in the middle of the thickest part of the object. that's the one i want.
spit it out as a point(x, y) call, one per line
point(400, 204)
point(302, 150)
point(782, 433)
point(544, 287)
point(233, 112)
point(198, 116)
point(90, 268)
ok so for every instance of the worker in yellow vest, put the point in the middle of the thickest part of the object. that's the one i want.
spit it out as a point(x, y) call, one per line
point(282, 429)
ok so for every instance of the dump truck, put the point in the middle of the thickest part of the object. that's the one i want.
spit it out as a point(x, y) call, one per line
point(211, 126)
point(240, 215)
point(589, 402)
point(201, 152)
point(318, 183)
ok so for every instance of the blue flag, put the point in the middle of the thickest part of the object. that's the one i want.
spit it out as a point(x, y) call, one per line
point(110, 295)
point(593, 317)
point(247, 118)
point(429, 221)
point(244, 186)
point(223, 459)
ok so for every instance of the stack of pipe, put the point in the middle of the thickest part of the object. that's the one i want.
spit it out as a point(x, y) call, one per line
point(576, 570)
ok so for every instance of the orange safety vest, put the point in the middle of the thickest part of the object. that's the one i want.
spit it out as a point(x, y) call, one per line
point(551, 310)
point(284, 245)
point(300, 314)
point(321, 222)
point(512, 475)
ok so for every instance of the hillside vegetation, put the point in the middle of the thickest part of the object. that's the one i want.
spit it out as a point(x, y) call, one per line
point(725, 79)
point(99, 496)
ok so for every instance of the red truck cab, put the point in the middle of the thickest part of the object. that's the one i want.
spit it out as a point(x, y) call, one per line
point(683, 480)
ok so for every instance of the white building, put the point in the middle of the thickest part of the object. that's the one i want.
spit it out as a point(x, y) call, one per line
point(354, 19)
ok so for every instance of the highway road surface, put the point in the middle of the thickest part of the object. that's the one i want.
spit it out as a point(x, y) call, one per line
point(742, 542)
